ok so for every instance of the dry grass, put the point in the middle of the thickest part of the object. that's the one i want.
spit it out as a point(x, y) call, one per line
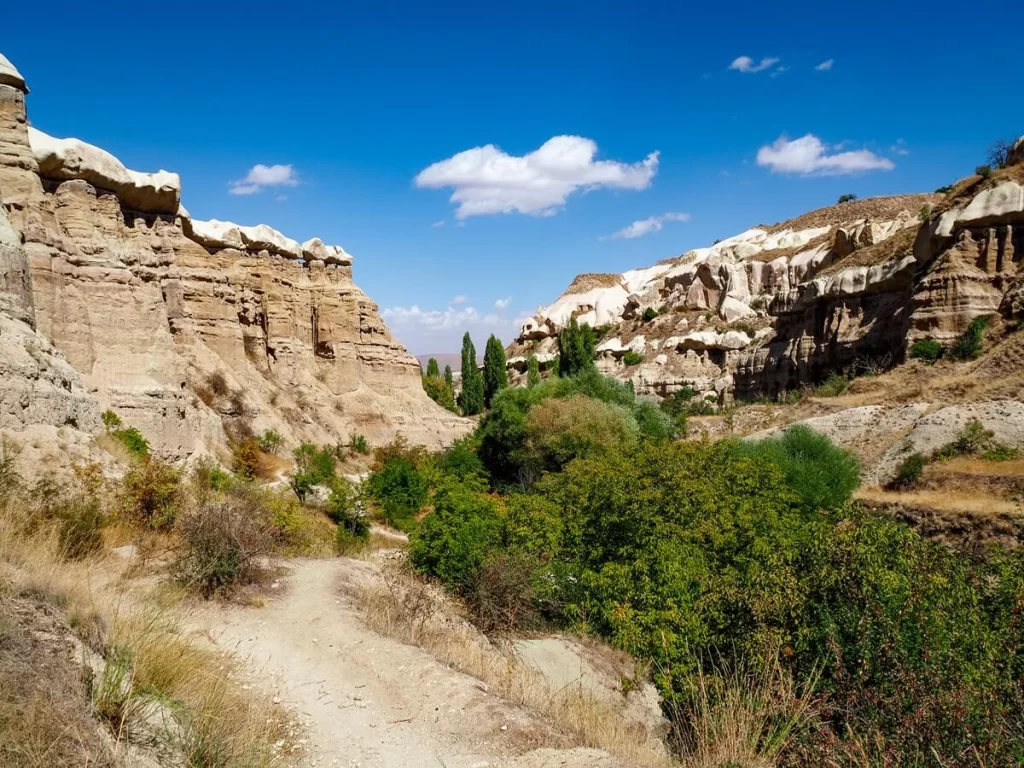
point(411, 611)
point(149, 677)
point(978, 467)
point(742, 716)
point(946, 500)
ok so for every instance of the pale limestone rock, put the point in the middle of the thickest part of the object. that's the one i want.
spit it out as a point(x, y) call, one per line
point(732, 310)
point(996, 203)
point(65, 159)
point(9, 75)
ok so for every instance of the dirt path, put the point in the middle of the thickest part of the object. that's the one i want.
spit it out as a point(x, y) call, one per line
point(368, 700)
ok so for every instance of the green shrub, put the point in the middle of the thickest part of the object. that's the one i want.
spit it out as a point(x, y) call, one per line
point(133, 441)
point(344, 509)
point(924, 213)
point(1000, 452)
point(833, 386)
point(944, 189)
point(968, 345)
point(454, 541)
point(151, 494)
point(847, 198)
point(984, 171)
point(111, 420)
point(314, 465)
point(559, 430)
point(359, 444)
point(823, 475)
point(975, 440)
point(270, 441)
point(437, 389)
point(926, 350)
point(501, 593)
point(400, 491)
point(909, 472)
point(575, 349)
point(650, 313)
point(632, 358)
point(462, 462)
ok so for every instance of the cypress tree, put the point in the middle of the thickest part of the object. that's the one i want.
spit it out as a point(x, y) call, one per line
point(575, 349)
point(532, 372)
point(471, 399)
point(449, 379)
point(432, 368)
point(495, 375)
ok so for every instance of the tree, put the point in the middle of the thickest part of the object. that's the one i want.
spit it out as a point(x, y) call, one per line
point(532, 372)
point(471, 399)
point(847, 198)
point(432, 368)
point(999, 153)
point(575, 349)
point(449, 378)
point(495, 375)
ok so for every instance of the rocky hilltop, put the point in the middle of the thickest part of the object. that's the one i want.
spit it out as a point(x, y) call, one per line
point(112, 296)
point(779, 306)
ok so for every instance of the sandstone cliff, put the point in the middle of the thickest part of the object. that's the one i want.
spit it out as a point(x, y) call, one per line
point(776, 307)
point(192, 331)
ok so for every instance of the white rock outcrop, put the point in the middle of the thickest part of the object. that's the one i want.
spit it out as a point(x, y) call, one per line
point(9, 75)
point(63, 159)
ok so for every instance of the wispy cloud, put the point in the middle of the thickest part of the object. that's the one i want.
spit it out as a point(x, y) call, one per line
point(502, 304)
point(826, 65)
point(262, 176)
point(643, 227)
point(809, 155)
point(437, 224)
point(459, 300)
point(747, 64)
point(487, 180)
point(899, 148)
point(778, 71)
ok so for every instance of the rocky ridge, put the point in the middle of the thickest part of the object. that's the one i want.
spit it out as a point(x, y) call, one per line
point(776, 307)
point(112, 296)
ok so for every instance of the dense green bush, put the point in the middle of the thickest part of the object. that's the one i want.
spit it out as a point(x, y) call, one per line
point(833, 386)
point(495, 373)
point(358, 444)
point(575, 349)
point(399, 490)
point(968, 345)
point(649, 314)
point(559, 430)
point(133, 441)
point(314, 465)
point(270, 441)
point(456, 539)
point(823, 475)
point(909, 472)
point(926, 350)
point(632, 358)
point(344, 508)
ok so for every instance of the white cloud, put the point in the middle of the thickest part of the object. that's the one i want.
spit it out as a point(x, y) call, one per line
point(502, 304)
point(426, 330)
point(437, 224)
point(746, 64)
point(899, 148)
point(261, 176)
point(646, 226)
point(459, 300)
point(487, 180)
point(826, 65)
point(809, 155)
point(779, 71)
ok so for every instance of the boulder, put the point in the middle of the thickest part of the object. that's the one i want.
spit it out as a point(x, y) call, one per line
point(9, 75)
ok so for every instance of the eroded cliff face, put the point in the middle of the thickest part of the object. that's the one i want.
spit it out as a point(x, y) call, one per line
point(777, 307)
point(193, 332)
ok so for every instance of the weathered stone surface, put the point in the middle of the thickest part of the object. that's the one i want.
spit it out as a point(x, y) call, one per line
point(9, 75)
point(191, 331)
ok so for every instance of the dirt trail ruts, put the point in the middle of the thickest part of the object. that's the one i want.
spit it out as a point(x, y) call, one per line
point(368, 700)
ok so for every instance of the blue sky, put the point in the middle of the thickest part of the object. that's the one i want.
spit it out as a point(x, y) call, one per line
point(360, 99)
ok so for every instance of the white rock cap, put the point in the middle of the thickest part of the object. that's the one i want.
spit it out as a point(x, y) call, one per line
point(9, 75)
point(64, 159)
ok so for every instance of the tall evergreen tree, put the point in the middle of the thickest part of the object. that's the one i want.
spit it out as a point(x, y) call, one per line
point(495, 375)
point(432, 368)
point(449, 378)
point(532, 372)
point(575, 349)
point(471, 399)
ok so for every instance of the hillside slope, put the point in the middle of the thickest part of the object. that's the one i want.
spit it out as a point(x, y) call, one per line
point(776, 307)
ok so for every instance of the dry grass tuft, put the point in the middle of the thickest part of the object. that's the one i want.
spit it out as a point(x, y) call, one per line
point(946, 500)
point(410, 610)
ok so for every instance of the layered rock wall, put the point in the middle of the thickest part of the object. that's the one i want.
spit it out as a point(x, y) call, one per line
point(194, 332)
point(774, 308)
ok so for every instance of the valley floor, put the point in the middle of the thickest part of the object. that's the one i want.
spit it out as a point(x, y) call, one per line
point(367, 700)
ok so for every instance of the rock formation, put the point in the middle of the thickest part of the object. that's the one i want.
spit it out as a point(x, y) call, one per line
point(192, 331)
point(776, 307)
